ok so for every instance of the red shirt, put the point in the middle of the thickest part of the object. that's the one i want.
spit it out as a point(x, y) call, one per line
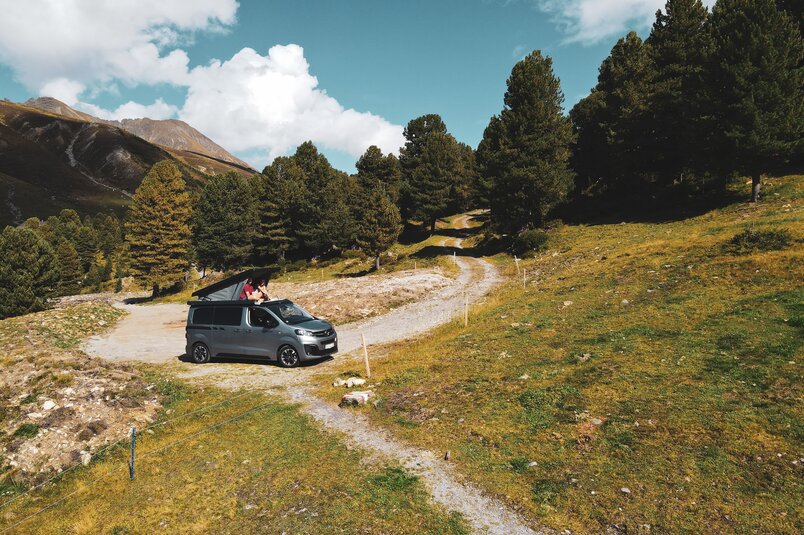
point(247, 289)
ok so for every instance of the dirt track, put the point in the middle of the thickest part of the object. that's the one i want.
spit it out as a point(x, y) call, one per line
point(155, 334)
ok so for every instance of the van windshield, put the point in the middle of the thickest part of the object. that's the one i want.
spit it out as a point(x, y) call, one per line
point(290, 313)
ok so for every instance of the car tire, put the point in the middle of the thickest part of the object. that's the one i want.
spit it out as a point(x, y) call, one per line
point(288, 357)
point(200, 353)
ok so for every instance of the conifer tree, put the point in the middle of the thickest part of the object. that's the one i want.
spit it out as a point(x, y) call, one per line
point(528, 158)
point(430, 161)
point(373, 168)
point(29, 274)
point(756, 88)
point(86, 244)
point(70, 269)
point(678, 45)
point(225, 222)
point(158, 228)
point(282, 190)
point(381, 225)
point(609, 150)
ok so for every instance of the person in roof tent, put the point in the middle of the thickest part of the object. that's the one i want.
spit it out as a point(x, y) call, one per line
point(247, 293)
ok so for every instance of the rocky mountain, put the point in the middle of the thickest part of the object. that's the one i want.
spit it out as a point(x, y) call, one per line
point(170, 133)
point(61, 158)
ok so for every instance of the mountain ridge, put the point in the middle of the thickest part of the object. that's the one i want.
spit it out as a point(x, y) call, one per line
point(170, 133)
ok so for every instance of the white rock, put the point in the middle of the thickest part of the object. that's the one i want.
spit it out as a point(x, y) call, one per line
point(625, 490)
point(532, 464)
point(355, 381)
point(624, 301)
point(339, 382)
point(34, 415)
point(524, 377)
point(567, 303)
point(85, 458)
point(357, 397)
point(49, 404)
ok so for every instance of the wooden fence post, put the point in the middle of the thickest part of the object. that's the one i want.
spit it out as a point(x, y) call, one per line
point(365, 356)
point(133, 444)
point(524, 278)
point(516, 261)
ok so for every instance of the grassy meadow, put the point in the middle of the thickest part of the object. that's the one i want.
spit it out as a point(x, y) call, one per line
point(271, 471)
point(646, 378)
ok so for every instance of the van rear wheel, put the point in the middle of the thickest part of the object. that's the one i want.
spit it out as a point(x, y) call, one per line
point(288, 357)
point(201, 354)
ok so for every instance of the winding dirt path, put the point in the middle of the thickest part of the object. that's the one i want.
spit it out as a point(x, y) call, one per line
point(155, 334)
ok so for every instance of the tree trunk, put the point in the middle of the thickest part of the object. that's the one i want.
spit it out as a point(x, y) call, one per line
point(756, 184)
point(432, 226)
point(155, 291)
point(377, 263)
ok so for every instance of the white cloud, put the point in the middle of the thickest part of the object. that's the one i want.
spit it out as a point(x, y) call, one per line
point(266, 105)
point(131, 110)
point(272, 103)
point(95, 41)
point(589, 21)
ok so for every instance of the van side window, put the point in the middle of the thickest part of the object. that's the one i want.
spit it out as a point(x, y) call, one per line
point(259, 317)
point(228, 315)
point(202, 316)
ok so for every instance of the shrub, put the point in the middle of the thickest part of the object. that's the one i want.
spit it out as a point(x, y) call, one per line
point(530, 240)
point(751, 240)
point(354, 253)
point(27, 431)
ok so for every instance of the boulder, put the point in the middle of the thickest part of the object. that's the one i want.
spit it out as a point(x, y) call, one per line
point(356, 398)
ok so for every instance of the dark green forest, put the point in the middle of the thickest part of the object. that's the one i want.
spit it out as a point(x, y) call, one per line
point(707, 98)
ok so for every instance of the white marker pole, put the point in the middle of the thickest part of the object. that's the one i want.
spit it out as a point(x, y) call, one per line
point(365, 356)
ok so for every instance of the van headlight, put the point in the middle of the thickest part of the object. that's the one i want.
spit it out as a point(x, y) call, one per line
point(304, 332)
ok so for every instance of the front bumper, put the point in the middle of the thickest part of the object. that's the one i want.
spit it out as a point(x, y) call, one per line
point(319, 347)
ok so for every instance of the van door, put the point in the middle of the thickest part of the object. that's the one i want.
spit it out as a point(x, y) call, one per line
point(228, 330)
point(261, 334)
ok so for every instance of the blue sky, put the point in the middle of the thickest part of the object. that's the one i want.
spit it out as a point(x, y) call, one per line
point(377, 64)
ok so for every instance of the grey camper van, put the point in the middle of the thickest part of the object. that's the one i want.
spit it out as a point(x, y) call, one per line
point(221, 325)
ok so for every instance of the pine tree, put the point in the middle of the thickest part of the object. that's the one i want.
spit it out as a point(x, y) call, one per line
point(381, 225)
point(282, 189)
point(527, 157)
point(70, 269)
point(756, 88)
point(430, 161)
point(678, 45)
point(225, 222)
point(86, 243)
point(609, 150)
point(158, 229)
point(29, 274)
point(373, 168)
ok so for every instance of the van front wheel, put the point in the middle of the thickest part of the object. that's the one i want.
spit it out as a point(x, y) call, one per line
point(201, 354)
point(288, 357)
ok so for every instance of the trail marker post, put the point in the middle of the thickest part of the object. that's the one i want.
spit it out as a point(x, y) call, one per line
point(365, 356)
point(516, 261)
point(524, 278)
point(133, 445)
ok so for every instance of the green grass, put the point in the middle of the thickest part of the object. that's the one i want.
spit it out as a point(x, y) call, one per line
point(272, 471)
point(690, 396)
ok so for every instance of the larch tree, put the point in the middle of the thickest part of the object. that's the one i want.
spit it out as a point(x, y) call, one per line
point(756, 87)
point(158, 228)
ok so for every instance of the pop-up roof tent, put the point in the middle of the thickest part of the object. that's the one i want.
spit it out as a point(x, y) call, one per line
point(229, 288)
